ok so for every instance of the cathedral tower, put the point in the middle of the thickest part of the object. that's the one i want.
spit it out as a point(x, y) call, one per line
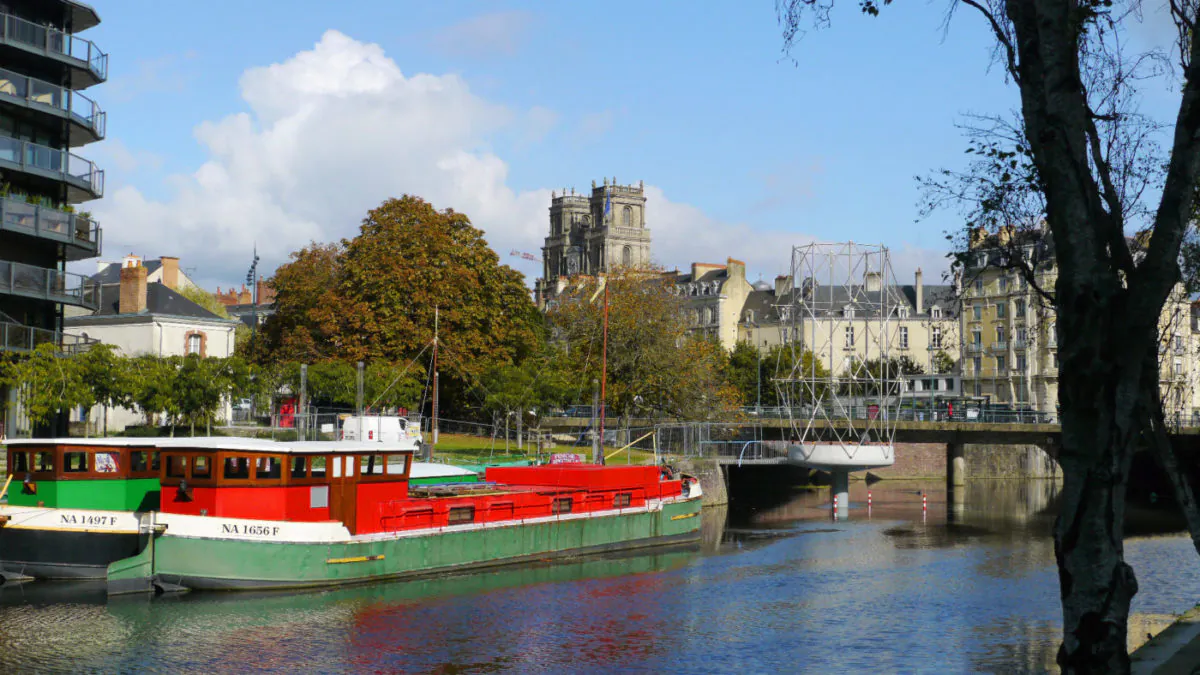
point(594, 234)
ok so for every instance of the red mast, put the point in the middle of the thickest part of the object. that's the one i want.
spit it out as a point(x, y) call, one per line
point(603, 371)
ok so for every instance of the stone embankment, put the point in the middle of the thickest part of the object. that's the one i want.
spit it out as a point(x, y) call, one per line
point(712, 479)
point(928, 460)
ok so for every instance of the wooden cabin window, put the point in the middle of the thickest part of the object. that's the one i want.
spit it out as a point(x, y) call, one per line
point(201, 466)
point(316, 467)
point(45, 462)
point(107, 462)
point(75, 462)
point(560, 505)
point(268, 468)
point(370, 465)
point(141, 461)
point(236, 468)
point(461, 514)
point(299, 468)
point(19, 461)
point(622, 500)
point(397, 465)
point(177, 466)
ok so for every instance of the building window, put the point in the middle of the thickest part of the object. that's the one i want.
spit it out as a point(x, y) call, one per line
point(936, 312)
point(1021, 362)
point(976, 337)
point(904, 337)
point(1178, 344)
point(979, 389)
point(1020, 308)
point(1000, 364)
point(979, 286)
point(999, 333)
point(849, 336)
point(712, 315)
point(1003, 284)
point(1001, 310)
point(194, 343)
point(977, 363)
point(627, 217)
point(627, 256)
point(936, 338)
point(1022, 334)
point(978, 312)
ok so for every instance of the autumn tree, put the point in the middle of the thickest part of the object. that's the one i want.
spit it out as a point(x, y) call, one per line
point(374, 297)
point(654, 365)
point(1081, 132)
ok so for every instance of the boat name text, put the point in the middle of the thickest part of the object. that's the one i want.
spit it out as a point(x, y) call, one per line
point(251, 530)
point(81, 519)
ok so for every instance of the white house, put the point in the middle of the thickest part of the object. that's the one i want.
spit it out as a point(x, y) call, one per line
point(140, 317)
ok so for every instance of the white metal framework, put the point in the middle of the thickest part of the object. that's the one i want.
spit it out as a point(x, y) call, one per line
point(843, 388)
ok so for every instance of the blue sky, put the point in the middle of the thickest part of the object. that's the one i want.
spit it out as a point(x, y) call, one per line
point(748, 151)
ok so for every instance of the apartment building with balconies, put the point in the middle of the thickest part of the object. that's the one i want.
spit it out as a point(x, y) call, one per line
point(45, 68)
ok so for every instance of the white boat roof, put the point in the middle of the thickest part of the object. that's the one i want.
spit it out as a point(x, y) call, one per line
point(113, 442)
point(435, 470)
point(231, 443)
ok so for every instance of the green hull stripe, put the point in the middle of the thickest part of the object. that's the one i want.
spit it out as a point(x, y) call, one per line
point(134, 494)
point(219, 563)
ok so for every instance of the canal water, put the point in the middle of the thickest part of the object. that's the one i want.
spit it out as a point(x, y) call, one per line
point(780, 588)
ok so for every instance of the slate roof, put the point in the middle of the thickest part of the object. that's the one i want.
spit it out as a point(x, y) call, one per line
point(710, 275)
point(159, 300)
point(764, 303)
point(112, 273)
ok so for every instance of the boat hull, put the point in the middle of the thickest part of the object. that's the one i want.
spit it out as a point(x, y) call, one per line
point(176, 562)
point(58, 554)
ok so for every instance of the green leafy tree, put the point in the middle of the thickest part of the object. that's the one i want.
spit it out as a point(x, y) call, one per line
point(200, 385)
point(943, 362)
point(654, 365)
point(793, 381)
point(394, 386)
point(49, 383)
point(108, 375)
point(152, 380)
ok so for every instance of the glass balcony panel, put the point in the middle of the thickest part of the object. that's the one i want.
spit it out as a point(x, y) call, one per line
point(48, 284)
point(10, 149)
point(54, 220)
point(44, 93)
point(58, 42)
point(19, 214)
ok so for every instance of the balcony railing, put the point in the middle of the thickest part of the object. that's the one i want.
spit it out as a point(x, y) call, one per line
point(999, 346)
point(66, 166)
point(79, 108)
point(15, 337)
point(79, 232)
point(974, 348)
point(1019, 344)
point(54, 42)
point(48, 284)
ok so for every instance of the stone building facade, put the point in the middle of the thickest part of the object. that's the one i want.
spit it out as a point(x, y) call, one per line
point(1010, 351)
point(713, 298)
point(922, 326)
point(593, 234)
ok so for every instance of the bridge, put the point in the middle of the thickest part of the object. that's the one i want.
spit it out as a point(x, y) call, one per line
point(762, 440)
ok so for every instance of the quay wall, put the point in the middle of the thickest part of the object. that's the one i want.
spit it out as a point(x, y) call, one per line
point(928, 460)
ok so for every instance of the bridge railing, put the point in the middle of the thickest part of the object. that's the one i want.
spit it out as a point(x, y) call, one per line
point(906, 414)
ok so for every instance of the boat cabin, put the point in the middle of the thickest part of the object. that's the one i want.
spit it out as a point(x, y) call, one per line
point(115, 474)
point(306, 482)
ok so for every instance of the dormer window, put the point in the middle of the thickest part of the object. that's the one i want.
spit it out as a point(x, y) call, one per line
point(902, 312)
point(749, 316)
point(935, 312)
point(848, 311)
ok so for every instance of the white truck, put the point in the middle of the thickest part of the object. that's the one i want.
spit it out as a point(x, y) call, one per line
point(380, 429)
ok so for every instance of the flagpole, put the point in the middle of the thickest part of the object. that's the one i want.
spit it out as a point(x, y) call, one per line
point(434, 423)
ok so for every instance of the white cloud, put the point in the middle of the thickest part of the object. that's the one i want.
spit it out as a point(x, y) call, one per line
point(332, 132)
point(495, 33)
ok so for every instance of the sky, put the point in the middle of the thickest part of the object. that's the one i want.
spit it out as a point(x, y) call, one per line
point(274, 124)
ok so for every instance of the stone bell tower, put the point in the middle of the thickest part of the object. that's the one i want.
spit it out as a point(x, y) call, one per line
point(593, 234)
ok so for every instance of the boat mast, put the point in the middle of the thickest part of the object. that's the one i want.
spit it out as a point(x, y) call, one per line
point(603, 373)
point(434, 422)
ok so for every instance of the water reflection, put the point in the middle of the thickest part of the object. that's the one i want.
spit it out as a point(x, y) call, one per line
point(967, 585)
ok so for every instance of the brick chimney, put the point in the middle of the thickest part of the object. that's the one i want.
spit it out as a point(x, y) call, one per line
point(133, 286)
point(170, 272)
point(244, 297)
point(783, 284)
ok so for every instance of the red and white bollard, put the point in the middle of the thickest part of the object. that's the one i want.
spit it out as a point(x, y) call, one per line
point(835, 502)
point(868, 499)
point(924, 502)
